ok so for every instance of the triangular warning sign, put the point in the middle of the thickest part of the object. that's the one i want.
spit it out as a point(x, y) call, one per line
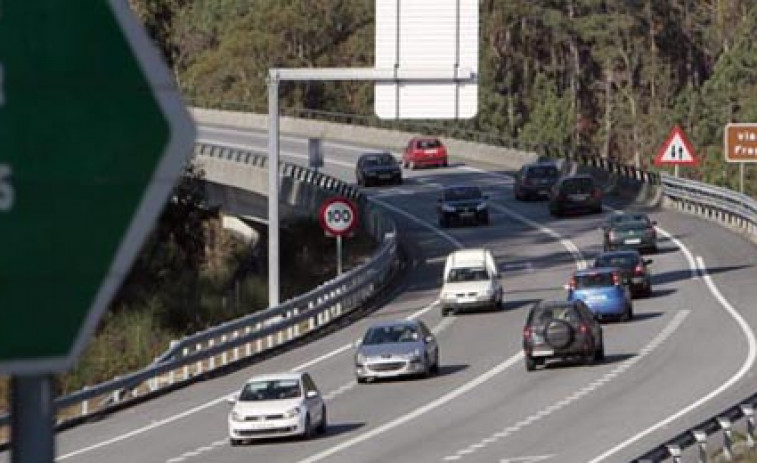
point(676, 150)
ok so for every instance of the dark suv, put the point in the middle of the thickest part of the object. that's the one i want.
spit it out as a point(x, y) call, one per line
point(535, 180)
point(462, 204)
point(575, 193)
point(561, 329)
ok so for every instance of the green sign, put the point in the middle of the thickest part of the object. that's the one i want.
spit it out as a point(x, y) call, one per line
point(93, 136)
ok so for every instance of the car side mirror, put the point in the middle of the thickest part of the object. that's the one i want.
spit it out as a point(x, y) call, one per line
point(358, 343)
point(429, 339)
point(311, 394)
point(232, 399)
point(648, 261)
point(566, 287)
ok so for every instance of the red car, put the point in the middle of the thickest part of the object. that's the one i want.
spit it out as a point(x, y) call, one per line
point(424, 151)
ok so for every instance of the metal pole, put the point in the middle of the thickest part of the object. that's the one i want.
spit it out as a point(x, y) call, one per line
point(741, 177)
point(32, 435)
point(338, 254)
point(273, 189)
point(675, 171)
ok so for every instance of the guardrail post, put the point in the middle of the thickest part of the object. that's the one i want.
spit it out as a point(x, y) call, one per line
point(184, 353)
point(235, 357)
point(290, 330)
point(199, 362)
point(701, 438)
point(725, 425)
point(248, 346)
point(675, 452)
point(224, 356)
point(85, 404)
point(212, 359)
point(748, 411)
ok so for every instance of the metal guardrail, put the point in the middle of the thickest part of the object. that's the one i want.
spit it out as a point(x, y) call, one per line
point(259, 332)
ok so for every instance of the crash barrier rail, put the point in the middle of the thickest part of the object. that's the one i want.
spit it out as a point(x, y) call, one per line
point(254, 334)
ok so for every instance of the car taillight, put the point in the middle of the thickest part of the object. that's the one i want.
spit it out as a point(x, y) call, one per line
point(583, 329)
point(615, 278)
point(613, 235)
point(639, 270)
point(572, 283)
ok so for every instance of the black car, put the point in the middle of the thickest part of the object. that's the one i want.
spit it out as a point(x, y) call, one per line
point(462, 204)
point(376, 168)
point(633, 230)
point(575, 193)
point(535, 180)
point(633, 268)
point(561, 329)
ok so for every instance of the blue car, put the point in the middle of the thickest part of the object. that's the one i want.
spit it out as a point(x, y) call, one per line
point(603, 292)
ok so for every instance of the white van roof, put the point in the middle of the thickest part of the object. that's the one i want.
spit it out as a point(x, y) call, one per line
point(468, 257)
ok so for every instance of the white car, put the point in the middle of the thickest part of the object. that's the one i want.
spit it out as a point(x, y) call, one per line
point(470, 282)
point(276, 405)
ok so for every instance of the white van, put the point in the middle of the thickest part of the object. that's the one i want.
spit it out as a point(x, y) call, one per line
point(470, 282)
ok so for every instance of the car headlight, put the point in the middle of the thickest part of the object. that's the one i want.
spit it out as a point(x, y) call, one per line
point(481, 206)
point(236, 416)
point(360, 359)
point(448, 208)
point(292, 413)
point(414, 356)
point(487, 292)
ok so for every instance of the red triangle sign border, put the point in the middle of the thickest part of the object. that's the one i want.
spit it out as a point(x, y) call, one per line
point(676, 131)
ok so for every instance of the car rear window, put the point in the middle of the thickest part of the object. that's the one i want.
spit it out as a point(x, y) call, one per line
point(428, 144)
point(467, 274)
point(379, 161)
point(615, 261)
point(578, 185)
point(543, 315)
point(631, 225)
point(543, 171)
point(457, 194)
point(594, 280)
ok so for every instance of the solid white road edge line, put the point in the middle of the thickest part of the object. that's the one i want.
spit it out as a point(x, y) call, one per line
point(745, 367)
point(453, 394)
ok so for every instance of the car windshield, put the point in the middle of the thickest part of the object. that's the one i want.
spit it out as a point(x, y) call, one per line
point(467, 274)
point(624, 261)
point(379, 161)
point(578, 185)
point(429, 144)
point(544, 315)
point(594, 280)
point(276, 389)
point(390, 334)
point(461, 193)
point(543, 171)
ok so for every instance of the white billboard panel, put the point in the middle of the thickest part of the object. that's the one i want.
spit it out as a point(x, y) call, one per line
point(427, 35)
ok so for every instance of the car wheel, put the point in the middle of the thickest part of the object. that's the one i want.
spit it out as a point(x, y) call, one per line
point(445, 164)
point(309, 430)
point(361, 380)
point(435, 366)
point(235, 442)
point(399, 181)
point(446, 311)
point(443, 222)
point(599, 355)
point(530, 363)
point(324, 422)
point(628, 314)
point(485, 219)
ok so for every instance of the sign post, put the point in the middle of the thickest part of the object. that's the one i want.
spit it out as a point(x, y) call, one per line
point(677, 150)
point(740, 145)
point(338, 217)
point(94, 138)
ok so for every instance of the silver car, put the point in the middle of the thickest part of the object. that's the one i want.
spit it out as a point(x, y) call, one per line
point(396, 348)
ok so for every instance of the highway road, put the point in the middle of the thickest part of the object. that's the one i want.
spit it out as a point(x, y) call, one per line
point(688, 353)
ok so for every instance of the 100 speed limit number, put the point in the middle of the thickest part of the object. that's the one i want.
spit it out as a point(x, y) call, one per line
point(338, 216)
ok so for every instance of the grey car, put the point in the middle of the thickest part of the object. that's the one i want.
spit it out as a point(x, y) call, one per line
point(397, 348)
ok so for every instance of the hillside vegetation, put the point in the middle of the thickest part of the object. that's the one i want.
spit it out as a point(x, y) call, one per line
point(609, 77)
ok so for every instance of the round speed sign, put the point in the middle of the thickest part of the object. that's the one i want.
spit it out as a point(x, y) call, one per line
point(338, 216)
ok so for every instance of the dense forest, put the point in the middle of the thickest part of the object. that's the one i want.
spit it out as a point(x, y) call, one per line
point(610, 77)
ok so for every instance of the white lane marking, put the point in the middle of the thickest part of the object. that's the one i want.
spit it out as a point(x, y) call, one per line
point(661, 337)
point(451, 395)
point(535, 459)
point(684, 250)
point(745, 368)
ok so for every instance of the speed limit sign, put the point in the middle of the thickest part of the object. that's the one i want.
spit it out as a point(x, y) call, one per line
point(338, 216)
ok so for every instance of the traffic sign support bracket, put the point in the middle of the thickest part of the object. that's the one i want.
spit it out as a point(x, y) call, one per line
point(32, 418)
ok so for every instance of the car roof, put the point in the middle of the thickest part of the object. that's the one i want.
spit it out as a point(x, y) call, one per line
point(369, 154)
point(284, 375)
point(425, 138)
point(628, 216)
point(621, 253)
point(475, 256)
point(554, 304)
point(388, 323)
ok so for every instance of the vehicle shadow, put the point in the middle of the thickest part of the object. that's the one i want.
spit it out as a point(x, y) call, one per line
point(681, 275)
point(518, 304)
point(659, 293)
point(577, 362)
point(336, 429)
point(641, 316)
point(446, 370)
point(333, 429)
